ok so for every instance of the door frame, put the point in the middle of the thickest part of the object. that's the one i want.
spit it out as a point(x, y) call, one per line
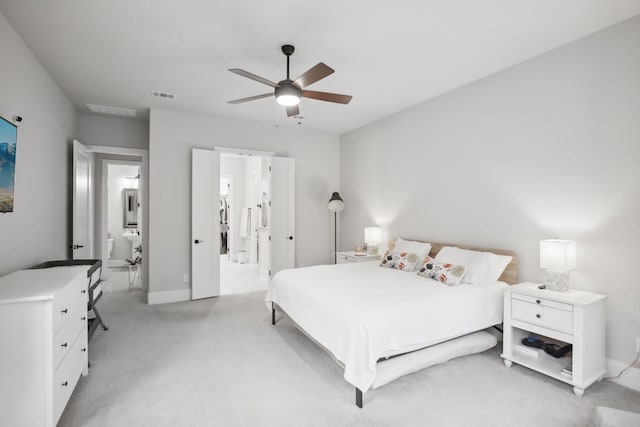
point(143, 190)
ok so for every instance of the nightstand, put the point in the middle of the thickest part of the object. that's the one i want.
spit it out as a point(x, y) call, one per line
point(571, 317)
point(346, 257)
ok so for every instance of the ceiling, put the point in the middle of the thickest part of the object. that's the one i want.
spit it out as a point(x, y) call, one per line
point(388, 55)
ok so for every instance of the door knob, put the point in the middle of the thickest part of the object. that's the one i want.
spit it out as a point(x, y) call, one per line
point(290, 237)
point(198, 241)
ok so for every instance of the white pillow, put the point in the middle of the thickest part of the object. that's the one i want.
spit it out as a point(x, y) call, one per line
point(419, 248)
point(482, 267)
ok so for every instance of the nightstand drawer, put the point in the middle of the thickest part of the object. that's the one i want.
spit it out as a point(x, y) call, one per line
point(546, 315)
point(543, 302)
point(342, 259)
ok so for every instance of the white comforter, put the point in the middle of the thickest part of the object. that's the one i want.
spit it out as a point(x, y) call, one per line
point(361, 312)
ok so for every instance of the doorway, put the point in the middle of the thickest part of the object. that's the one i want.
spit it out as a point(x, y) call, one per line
point(123, 225)
point(261, 230)
point(243, 223)
point(90, 202)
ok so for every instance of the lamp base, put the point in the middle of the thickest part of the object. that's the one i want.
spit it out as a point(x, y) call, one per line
point(557, 280)
point(372, 249)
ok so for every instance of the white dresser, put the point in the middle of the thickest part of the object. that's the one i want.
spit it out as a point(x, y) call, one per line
point(43, 314)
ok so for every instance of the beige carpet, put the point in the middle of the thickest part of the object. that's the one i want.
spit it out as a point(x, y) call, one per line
point(219, 362)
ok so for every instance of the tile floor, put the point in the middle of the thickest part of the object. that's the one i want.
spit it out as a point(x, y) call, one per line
point(236, 278)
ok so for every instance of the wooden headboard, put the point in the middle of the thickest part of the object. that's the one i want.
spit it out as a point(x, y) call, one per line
point(509, 275)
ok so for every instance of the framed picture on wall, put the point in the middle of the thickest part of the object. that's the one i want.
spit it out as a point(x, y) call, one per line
point(8, 140)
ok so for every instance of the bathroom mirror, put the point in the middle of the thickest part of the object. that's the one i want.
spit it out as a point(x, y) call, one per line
point(130, 207)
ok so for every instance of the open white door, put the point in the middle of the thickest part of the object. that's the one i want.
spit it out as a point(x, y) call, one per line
point(282, 217)
point(82, 244)
point(205, 223)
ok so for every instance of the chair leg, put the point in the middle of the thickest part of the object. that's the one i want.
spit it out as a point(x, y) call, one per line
point(358, 398)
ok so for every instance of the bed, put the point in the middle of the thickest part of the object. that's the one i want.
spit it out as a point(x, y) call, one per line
point(382, 323)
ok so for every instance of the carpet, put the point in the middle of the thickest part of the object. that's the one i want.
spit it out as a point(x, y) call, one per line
point(219, 362)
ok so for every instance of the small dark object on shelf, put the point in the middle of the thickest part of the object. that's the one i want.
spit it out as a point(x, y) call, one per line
point(551, 349)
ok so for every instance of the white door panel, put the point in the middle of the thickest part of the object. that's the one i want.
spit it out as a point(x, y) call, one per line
point(205, 224)
point(282, 215)
point(82, 244)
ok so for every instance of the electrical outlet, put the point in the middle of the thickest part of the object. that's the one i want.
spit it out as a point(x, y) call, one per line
point(185, 278)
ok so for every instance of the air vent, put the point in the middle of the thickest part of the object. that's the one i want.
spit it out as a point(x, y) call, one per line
point(115, 111)
point(163, 95)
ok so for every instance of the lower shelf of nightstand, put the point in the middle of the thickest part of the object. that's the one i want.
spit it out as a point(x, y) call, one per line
point(547, 365)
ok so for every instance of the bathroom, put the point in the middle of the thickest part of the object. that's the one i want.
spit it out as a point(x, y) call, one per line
point(244, 223)
point(124, 242)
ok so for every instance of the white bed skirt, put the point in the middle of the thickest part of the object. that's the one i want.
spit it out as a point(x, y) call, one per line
point(394, 368)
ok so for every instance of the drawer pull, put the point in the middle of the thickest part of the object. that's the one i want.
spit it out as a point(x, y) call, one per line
point(83, 349)
point(63, 345)
point(83, 318)
point(64, 384)
point(538, 316)
point(537, 301)
point(65, 311)
point(84, 291)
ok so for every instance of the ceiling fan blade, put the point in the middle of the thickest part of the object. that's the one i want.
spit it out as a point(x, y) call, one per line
point(314, 74)
point(252, 76)
point(324, 96)
point(251, 98)
point(293, 110)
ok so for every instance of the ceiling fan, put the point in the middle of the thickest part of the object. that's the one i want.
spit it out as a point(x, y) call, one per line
point(288, 92)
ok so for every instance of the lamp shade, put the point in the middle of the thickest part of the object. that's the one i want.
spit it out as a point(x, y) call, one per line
point(372, 235)
point(556, 254)
point(336, 204)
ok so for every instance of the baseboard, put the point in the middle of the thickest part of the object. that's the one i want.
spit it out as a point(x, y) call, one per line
point(165, 297)
point(631, 378)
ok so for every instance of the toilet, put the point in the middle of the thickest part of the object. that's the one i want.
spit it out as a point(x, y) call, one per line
point(109, 247)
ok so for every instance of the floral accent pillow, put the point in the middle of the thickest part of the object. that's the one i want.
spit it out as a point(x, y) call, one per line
point(446, 273)
point(404, 261)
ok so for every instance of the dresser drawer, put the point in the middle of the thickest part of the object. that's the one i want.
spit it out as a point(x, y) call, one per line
point(67, 335)
point(68, 299)
point(548, 314)
point(67, 375)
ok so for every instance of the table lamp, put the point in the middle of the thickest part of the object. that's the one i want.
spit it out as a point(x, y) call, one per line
point(557, 257)
point(372, 237)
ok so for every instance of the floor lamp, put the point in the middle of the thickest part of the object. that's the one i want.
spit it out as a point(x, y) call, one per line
point(336, 204)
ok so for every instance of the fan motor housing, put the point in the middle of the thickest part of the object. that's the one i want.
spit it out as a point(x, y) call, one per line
point(287, 87)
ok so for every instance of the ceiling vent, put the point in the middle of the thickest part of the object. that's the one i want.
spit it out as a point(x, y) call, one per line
point(114, 111)
point(163, 95)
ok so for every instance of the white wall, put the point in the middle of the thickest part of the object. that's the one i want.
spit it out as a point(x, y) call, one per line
point(39, 228)
point(174, 134)
point(548, 148)
point(115, 184)
point(113, 131)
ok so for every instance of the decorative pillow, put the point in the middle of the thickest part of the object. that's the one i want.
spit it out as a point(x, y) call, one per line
point(448, 274)
point(421, 249)
point(482, 267)
point(405, 261)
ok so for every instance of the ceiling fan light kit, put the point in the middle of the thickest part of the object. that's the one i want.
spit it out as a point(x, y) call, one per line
point(288, 92)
